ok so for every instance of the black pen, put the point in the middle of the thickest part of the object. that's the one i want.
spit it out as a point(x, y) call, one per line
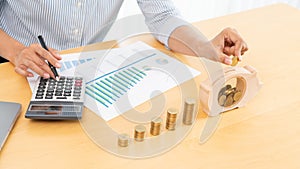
point(53, 69)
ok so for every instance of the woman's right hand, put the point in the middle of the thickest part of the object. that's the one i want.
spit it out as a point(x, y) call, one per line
point(34, 57)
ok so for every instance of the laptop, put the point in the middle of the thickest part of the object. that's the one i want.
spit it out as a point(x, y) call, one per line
point(9, 112)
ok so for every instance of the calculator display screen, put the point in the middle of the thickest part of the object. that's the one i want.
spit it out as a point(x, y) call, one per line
point(46, 108)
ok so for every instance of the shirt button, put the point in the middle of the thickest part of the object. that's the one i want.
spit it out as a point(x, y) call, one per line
point(79, 4)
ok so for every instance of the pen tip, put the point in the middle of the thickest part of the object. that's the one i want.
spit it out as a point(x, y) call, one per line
point(57, 78)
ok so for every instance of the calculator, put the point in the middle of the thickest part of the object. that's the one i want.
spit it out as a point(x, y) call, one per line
point(57, 99)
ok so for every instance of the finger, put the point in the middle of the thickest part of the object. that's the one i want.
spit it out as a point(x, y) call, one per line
point(45, 54)
point(37, 64)
point(225, 59)
point(39, 70)
point(238, 48)
point(23, 67)
point(22, 70)
point(55, 53)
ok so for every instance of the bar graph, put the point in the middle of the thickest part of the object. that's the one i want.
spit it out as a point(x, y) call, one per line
point(108, 88)
point(70, 64)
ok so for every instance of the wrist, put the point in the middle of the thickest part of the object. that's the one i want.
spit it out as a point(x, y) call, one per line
point(16, 49)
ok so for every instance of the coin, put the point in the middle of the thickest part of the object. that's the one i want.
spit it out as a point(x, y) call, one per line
point(171, 118)
point(188, 111)
point(237, 96)
point(123, 140)
point(222, 91)
point(155, 126)
point(229, 100)
point(139, 132)
point(222, 100)
point(234, 61)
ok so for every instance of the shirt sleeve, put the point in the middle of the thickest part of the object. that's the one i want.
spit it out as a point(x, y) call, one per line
point(161, 17)
point(1, 10)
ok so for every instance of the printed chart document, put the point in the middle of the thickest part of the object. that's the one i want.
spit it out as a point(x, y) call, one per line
point(120, 79)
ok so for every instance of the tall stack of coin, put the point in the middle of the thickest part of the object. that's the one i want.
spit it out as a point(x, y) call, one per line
point(188, 112)
point(155, 126)
point(171, 118)
point(229, 95)
point(123, 140)
point(139, 133)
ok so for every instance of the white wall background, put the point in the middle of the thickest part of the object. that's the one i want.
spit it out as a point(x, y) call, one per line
point(196, 10)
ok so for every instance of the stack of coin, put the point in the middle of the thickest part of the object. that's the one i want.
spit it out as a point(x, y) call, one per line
point(229, 95)
point(171, 118)
point(155, 126)
point(139, 133)
point(188, 111)
point(123, 140)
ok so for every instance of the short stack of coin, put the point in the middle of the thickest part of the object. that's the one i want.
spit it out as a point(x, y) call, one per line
point(229, 95)
point(123, 140)
point(155, 126)
point(188, 111)
point(171, 118)
point(139, 133)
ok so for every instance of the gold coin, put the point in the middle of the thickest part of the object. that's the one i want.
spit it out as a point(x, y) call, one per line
point(234, 61)
point(140, 128)
point(222, 100)
point(139, 132)
point(229, 91)
point(155, 126)
point(237, 96)
point(229, 101)
point(223, 89)
point(123, 140)
point(172, 112)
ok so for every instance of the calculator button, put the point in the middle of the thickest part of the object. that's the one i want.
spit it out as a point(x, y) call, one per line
point(48, 97)
point(49, 94)
point(39, 93)
point(67, 91)
point(51, 87)
point(67, 94)
point(70, 78)
point(59, 90)
point(38, 97)
point(76, 94)
point(61, 97)
point(42, 87)
point(78, 78)
point(77, 88)
point(40, 90)
point(42, 83)
point(77, 91)
point(59, 87)
point(68, 88)
point(50, 90)
point(58, 94)
point(78, 84)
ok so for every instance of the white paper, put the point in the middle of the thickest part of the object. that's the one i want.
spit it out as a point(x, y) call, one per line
point(118, 80)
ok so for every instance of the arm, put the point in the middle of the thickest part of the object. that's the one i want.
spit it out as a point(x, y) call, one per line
point(165, 23)
point(187, 40)
point(24, 58)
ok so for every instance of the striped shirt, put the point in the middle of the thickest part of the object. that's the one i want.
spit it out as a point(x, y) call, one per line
point(72, 23)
